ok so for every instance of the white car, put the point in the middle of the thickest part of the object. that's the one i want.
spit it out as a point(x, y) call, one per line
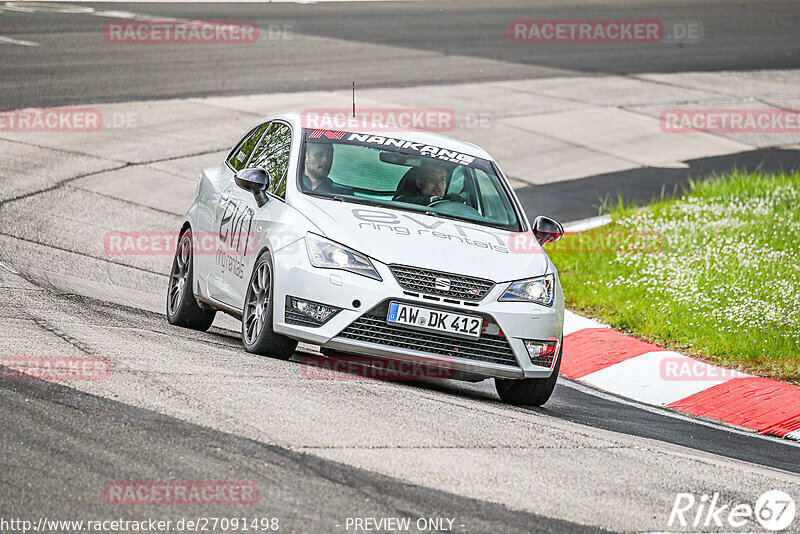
point(401, 246)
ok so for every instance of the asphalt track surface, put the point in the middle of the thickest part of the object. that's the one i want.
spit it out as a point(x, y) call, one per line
point(329, 45)
point(61, 445)
point(306, 493)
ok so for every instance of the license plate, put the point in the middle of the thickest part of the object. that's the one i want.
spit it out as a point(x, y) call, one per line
point(434, 320)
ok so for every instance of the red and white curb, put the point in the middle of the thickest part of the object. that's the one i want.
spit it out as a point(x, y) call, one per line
point(604, 358)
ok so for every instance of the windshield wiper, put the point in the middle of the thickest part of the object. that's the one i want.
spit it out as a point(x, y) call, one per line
point(354, 200)
point(445, 216)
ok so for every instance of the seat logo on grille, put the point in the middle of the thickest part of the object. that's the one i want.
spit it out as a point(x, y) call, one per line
point(442, 284)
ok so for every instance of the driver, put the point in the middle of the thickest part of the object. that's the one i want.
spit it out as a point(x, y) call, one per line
point(429, 184)
point(318, 163)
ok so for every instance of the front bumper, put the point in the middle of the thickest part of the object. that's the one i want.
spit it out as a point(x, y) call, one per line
point(362, 329)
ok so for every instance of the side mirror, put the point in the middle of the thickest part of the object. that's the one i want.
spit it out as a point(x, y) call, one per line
point(254, 180)
point(546, 230)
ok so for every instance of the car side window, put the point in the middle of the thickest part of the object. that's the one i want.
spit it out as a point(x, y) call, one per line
point(239, 156)
point(272, 154)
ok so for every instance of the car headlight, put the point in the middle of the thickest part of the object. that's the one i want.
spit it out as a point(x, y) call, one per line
point(328, 254)
point(540, 290)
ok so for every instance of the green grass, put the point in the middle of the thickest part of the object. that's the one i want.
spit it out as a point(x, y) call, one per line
point(714, 273)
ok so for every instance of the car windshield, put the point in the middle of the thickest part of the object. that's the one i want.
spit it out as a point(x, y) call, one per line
point(404, 175)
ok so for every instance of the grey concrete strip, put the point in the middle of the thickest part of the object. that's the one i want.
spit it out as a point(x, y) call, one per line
point(542, 131)
point(754, 139)
point(189, 168)
point(757, 83)
point(258, 105)
point(628, 136)
point(136, 184)
point(614, 91)
point(472, 101)
point(27, 168)
point(69, 271)
point(533, 157)
point(147, 131)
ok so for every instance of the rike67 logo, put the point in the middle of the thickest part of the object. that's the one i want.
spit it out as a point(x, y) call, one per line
point(774, 511)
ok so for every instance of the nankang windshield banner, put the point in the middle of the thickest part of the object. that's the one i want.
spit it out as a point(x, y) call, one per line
point(404, 146)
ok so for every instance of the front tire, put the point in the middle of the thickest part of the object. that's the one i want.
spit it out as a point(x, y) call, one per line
point(528, 391)
point(258, 336)
point(182, 307)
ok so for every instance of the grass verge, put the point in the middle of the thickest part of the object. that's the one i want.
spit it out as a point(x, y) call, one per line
point(714, 273)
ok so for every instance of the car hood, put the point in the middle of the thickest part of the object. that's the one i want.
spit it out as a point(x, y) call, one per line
point(412, 238)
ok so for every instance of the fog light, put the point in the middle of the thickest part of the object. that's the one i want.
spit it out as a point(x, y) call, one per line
point(542, 353)
point(491, 329)
point(310, 312)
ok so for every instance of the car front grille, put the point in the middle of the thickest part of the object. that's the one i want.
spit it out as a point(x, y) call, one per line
point(373, 328)
point(456, 286)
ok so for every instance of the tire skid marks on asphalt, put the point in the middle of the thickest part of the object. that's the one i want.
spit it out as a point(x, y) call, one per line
point(612, 361)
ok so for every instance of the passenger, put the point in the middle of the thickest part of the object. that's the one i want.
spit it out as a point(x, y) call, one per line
point(425, 185)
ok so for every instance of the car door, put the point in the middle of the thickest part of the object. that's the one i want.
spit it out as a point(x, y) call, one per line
point(244, 226)
point(213, 262)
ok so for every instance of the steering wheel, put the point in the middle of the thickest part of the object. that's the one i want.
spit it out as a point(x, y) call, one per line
point(454, 208)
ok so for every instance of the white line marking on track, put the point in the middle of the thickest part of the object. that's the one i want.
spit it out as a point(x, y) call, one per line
point(46, 7)
point(582, 225)
point(9, 40)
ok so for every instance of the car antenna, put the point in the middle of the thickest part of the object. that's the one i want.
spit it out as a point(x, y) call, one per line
point(354, 99)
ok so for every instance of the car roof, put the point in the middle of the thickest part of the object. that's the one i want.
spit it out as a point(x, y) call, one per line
point(376, 128)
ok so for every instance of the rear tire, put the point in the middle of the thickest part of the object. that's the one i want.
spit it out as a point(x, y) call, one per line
point(258, 336)
point(528, 391)
point(182, 308)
